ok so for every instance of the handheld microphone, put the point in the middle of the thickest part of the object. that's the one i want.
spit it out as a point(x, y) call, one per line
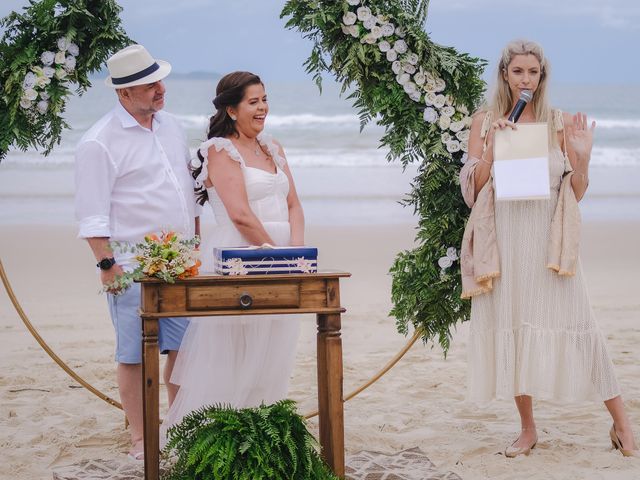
point(525, 97)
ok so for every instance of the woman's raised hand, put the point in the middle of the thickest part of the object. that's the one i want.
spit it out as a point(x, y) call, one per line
point(580, 136)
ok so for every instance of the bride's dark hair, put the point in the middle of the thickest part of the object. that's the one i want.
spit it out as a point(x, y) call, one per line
point(229, 93)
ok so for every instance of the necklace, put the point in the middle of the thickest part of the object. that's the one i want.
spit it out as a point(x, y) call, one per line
point(257, 149)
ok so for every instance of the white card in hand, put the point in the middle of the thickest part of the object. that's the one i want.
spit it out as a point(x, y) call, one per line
point(521, 163)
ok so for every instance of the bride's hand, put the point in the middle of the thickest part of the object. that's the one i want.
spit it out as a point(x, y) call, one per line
point(580, 137)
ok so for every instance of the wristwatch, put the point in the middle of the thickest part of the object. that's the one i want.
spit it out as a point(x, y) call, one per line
point(106, 263)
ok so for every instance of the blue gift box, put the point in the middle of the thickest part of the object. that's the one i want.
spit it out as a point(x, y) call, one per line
point(255, 261)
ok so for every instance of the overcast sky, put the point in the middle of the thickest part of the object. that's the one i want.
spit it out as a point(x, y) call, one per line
point(587, 41)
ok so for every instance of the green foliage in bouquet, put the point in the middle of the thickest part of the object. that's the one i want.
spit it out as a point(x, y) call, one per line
point(421, 93)
point(44, 51)
point(265, 443)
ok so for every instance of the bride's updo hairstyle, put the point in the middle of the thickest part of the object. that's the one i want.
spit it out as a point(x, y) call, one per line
point(229, 93)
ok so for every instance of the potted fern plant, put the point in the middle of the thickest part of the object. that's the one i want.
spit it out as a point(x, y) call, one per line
point(270, 442)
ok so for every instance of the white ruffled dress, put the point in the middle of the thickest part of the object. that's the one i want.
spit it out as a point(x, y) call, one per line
point(239, 360)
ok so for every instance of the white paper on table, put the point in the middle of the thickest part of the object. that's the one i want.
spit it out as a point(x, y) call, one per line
point(521, 163)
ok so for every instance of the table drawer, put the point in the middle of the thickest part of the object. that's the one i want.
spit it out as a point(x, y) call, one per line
point(245, 297)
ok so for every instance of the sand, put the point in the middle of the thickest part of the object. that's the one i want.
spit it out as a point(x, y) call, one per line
point(47, 421)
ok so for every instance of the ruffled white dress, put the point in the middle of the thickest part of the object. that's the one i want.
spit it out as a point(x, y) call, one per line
point(535, 333)
point(243, 361)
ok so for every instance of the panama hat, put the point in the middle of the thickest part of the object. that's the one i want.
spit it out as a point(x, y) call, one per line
point(133, 66)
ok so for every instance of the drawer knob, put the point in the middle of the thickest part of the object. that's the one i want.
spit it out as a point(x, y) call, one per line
point(246, 300)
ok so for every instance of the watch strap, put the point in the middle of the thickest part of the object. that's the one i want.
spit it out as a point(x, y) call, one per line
point(106, 263)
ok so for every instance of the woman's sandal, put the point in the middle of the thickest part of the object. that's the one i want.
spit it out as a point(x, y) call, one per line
point(617, 444)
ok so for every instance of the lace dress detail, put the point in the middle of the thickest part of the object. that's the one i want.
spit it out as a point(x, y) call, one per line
point(535, 333)
point(239, 360)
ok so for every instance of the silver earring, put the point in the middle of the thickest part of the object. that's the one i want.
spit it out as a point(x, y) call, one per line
point(233, 118)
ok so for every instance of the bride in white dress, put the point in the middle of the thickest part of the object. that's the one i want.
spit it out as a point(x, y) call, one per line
point(246, 360)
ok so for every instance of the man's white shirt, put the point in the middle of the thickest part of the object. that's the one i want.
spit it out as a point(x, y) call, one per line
point(132, 181)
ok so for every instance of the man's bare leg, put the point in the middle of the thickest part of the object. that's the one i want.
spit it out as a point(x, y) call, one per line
point(130, 386)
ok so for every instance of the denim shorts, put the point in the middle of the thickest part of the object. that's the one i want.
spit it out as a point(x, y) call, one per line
point(124, 310)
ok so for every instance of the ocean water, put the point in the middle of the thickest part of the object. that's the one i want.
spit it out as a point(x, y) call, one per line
point(341, 174)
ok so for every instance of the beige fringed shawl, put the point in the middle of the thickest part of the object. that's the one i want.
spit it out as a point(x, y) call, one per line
point(480, 257)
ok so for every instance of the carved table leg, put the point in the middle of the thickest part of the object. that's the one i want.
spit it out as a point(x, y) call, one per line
point(330, 402)
point(150, 398)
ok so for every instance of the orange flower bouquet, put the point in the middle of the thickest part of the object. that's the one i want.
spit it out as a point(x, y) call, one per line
point(166, 256)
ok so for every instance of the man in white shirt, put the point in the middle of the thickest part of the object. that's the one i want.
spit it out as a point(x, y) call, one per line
point(132, 179)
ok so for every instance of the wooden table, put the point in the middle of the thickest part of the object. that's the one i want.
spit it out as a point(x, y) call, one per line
point(216, 295)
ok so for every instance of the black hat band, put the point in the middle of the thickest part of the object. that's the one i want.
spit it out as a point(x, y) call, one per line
point(135, 76)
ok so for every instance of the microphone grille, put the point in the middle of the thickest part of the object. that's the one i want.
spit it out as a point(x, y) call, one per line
point(526, 95)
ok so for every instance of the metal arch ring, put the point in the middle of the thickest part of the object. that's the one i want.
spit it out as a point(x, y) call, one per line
point(5, 280)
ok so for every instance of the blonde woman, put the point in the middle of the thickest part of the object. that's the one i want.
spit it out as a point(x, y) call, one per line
point(533, 333)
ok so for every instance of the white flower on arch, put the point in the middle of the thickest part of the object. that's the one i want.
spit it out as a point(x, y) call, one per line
point(410, 87)
point(73, 49)
point(349, 18)
point(456, 126)
point(29, 80)
point(407, 67)
point(430, 115)
point(453, 146)
point(364, 13)
point(370, 22)
point(444, 122)
point(47, 58)
point(388, 29)
point(449, 111)
point(42, 106)
point(384, 46)
point(400, 46)
point(463, 135)
point(70, 63)
point(369, 38)
point(30, 94)
point(445, 262)
point(63, 44)
point(416, 96)
point(430, 98)
point(376, 32)
point(403, 78)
